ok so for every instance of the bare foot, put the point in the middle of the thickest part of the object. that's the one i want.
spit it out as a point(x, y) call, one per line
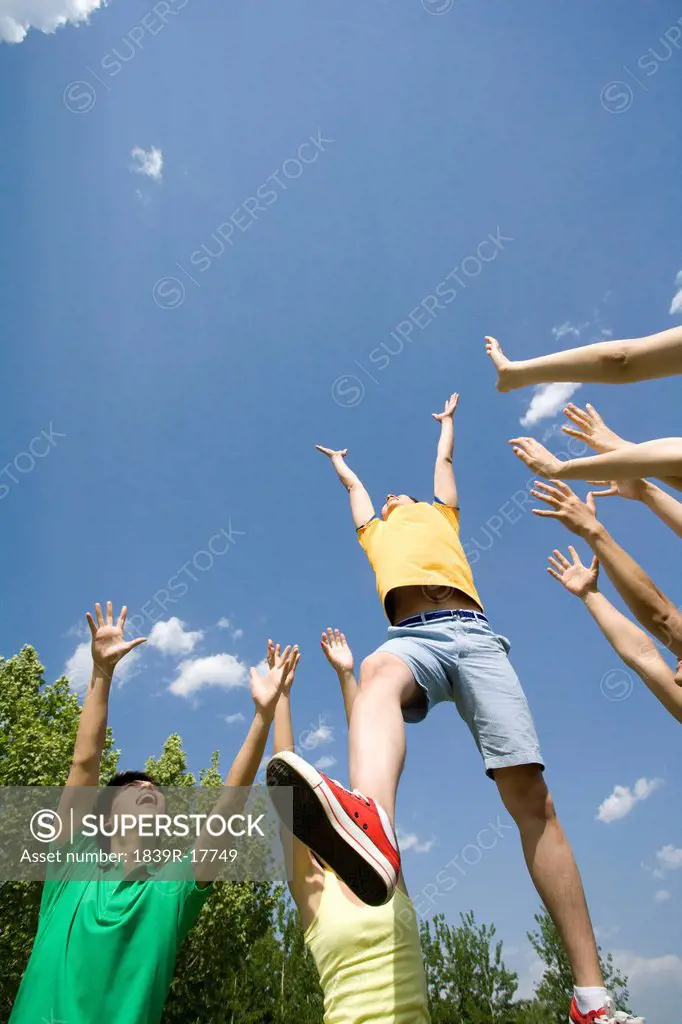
point(500, 362)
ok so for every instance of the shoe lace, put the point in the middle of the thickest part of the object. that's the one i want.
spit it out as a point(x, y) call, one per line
point(361, 796)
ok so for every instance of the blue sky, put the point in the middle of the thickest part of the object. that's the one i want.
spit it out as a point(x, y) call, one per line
point(176, 413)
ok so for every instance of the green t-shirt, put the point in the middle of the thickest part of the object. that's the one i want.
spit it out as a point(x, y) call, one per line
point(105, 949)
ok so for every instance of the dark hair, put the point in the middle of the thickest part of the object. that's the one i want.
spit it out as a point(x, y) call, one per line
point(106, 798)
point(415, 500)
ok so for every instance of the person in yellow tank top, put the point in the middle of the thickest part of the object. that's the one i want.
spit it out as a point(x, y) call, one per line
point(368, 958)
point(440, 647)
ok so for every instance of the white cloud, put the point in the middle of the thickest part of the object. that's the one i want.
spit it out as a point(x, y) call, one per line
point(18, 16)
point(237, 634)
point(325, 762)
point(669, 858)
point(641, 968)
point(224, 623)
point(662, 896)
point(546, 402)
point(223, 670)
point(78, 668)
point(262, 667)
point(231, 719)
point(171, 637)
point(146, 161)
point(316, 735)
point(676, 304)
point(410, 841)
point(623, 799)
point(561, 330)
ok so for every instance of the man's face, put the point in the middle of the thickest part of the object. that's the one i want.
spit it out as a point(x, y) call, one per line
point(138, 798)
point(393, 501)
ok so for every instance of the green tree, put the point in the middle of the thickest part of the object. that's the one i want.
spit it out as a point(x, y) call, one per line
point(467, 980)
point(556, 987)
point(38, 724)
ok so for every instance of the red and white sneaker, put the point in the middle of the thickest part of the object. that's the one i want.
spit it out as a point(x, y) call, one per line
point(607, 1015)
point(346, 830)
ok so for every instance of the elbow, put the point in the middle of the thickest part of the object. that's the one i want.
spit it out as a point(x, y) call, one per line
point(667, 625)
point(618, 361)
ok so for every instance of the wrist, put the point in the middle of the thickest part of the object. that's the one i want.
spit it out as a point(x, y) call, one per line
point(346, 675)
point(102, 673)
point(591, 531)
point(588, 597)
point(264, 716)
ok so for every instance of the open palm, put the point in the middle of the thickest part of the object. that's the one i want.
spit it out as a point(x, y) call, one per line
point(108, 642)
point(578, 579)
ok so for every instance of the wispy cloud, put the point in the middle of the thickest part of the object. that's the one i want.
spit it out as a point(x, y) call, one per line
point(669, 858)
point(232, 719)
point(676, 304)
point(623, 799)
point(148, 162)
point(547, 401)
point(411, 841)
point(325, 762)
point(17, 17)
point(662, 896)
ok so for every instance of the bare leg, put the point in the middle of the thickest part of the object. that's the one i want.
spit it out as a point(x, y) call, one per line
point(605, 362)
point(377, 730)
point(552, 867)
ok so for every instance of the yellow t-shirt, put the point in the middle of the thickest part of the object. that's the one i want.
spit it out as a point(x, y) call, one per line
point(369, 959)
point(418, 545)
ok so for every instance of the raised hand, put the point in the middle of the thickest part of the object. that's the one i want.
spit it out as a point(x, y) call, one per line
point(578, 579)
point(448, 409)
point(273, 654)
point(591, 428)
point(576, 515)
point(536, 456)
point(108, 642)
point(634, 490)
point(332, 453)
point(337, 651)
point(266, 690)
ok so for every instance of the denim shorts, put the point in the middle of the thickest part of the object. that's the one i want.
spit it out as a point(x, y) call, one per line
point(461, 659)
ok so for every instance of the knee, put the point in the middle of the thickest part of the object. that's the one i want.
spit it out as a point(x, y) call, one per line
point(374, 668)
point(528, 799)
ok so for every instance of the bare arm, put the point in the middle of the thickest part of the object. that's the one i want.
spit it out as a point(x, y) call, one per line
point(444, 484)
point(647, 603)
point(662, 504)
point(265, 691)
point(108, 647)
point(628, 640)
point(661, 458)
point(604, 362)
point(361, 505)
point(340, 657)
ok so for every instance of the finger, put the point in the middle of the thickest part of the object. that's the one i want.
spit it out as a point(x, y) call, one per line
point(589, 501)
point(337, 636)
point(555, 574)
point(98, 612)
point(593, 413)
point(330, 636)
point(122, 618)
point(282, 658)
point(608, 493)
point(343, 640)
point(576, 433)
point(578, 415)
point(543, 512)
point(594, 564)
point(557, 565)
point(110, 614)
point(135, 643)
point(91, 623)
point(550, 487)
point(574, 555)
point(554, 502)
point(561, 558)
point(562, 487)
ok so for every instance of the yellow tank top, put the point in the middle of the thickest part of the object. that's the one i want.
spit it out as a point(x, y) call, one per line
point(369, 959)
point(418, 545)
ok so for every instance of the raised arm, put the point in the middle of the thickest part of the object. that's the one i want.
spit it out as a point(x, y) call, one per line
point(661, 458)
point(604, 362)
point(340, 657)
point(648, 604)
point(444, 484)
point(108, 647)
point(360, 502)
point(629, 642)
point(265, 691)
point(662, 504)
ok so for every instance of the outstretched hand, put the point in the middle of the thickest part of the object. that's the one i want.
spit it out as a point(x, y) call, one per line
point(565, 505)
point(591, 429)
point(337, 651)
point(536, 456)
point(634, 490)
point(108, 642)
point(578, 579)
point(266, 690)
point(448, 409)
point(273, 654)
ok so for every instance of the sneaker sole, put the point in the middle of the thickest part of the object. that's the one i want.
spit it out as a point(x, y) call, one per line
point(325, 827)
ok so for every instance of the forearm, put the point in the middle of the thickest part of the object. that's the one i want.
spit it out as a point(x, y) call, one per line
point(246, 763)
point(637, 650)
point(349, 689)
point(92, 725)
point(283, 727)
point(361, 506)
point(667, 508)
point(605, 362)
point(661, 458)
point(647, 603)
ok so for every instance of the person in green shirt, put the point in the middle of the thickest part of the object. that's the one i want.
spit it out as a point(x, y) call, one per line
point(108, 937)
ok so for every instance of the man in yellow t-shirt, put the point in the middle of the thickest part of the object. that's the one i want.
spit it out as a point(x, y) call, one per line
point(440, 647)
